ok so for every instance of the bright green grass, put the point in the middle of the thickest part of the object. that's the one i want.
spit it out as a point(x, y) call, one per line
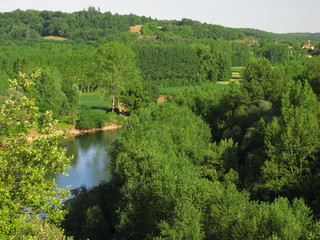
point(94, 100)
point(221, 85)
point(235, 76)
point(170, 91)
point(237, 69)
point(64, 125)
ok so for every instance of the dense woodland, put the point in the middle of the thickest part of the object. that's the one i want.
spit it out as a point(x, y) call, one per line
point(239, 162)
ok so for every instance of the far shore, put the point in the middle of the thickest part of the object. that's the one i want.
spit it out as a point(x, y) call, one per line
point(75, 132)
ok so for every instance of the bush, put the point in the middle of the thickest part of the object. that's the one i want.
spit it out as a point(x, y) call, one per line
point(114, 118)
point(90, 119)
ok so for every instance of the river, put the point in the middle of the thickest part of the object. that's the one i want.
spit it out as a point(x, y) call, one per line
point(90, 162)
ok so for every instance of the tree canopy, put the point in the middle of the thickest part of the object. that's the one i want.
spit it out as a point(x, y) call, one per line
point(118, 65)
point(215, 161)
point(30, 155)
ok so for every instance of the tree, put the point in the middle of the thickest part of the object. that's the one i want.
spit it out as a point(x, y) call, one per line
point(58, 27)
point(168, 65)
point(208, 68)
point(163, 195)
point(117, 61)
point(312, 74)
point(48, 93)
point(257, 69)
point(134, 97)
point(168, 139)
point(222, 57)
point(30, 156)
point(276, 53)
point(240, 54)
point(292, 141)
point(262, 81)
point(150, 29)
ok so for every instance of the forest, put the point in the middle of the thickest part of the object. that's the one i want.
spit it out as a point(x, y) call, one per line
point(238, 161)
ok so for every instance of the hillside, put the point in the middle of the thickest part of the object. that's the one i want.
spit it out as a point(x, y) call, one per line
point(93, 25)
point(280, 36)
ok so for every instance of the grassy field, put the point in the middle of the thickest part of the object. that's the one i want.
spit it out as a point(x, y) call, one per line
point(170, 91)
point(237, 69)
point(236, 73)
point(55, 38)
point(222, 84)
point(94, 101)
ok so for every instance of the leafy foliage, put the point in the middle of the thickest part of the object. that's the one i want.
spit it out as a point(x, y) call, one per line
point(238, 163)
point(90, 119)
point(30, 155)
point(168, 65)
point(117, 63)
point(292, 140)
point(163, 195)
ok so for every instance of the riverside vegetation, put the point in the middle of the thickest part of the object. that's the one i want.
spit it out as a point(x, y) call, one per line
point(234, 162)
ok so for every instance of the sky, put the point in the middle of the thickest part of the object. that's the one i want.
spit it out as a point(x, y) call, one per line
point(279, 16)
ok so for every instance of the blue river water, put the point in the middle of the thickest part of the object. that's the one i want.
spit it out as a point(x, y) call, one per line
point(90, 163)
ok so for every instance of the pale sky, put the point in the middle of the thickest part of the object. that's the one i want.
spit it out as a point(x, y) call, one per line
point(280, 16)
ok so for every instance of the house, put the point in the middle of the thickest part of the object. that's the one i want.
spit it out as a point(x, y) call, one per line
point(308, 45)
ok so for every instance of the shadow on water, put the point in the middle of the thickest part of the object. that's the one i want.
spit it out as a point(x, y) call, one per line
point(90, 159)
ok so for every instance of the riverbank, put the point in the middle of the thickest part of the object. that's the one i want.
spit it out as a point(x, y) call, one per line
point(75, 132)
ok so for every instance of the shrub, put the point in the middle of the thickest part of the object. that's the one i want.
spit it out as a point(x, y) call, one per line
point(114, 118)
point(89, 119)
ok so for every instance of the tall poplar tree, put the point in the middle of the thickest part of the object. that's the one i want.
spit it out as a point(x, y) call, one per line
point(118, 64)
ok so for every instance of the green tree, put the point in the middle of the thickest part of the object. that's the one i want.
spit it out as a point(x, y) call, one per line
point(167, 139)
point(263, 81)
point(30, 156)
point(150, 29)
point(48, 93)
point(118, 65)
point(135, 97)
point(58, 27)
point(168, 65)
point(89, 215)
point(208, 68)
point(256, 69)
point(163, 195)
point(186, 31)
point(292, 141)
point(312, 74)
point(240, 54)
point(276, 53)
point(222, 56)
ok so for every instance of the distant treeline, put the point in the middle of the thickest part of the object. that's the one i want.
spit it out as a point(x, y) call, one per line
point(280, 36)
point(93, 25)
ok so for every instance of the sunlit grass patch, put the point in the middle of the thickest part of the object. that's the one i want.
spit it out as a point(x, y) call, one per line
point(170, 91)
point(94, 100)
point(55, 38)
point(236, 69)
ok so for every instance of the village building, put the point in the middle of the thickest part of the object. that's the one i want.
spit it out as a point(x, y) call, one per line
point(308, 45)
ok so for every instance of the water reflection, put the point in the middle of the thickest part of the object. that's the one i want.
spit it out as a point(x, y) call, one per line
point(90, 159)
